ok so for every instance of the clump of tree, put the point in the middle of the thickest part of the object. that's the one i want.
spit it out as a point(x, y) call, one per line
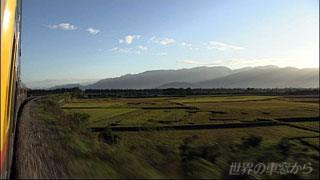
point(251, 141)
point(43, 92)
point(76, 93)
point(109, 137)
point(180, 92)
point(195, 157)
point(80, 120)
point(189, 150)
point(285, 146)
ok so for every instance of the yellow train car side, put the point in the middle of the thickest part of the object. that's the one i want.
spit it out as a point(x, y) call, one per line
point(13, 91)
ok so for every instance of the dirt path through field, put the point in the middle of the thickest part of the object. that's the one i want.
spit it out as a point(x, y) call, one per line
point(37, 147)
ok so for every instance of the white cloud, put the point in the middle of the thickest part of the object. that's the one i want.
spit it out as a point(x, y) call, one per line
point(163, 41)
point(125, 50)
point(120, 41)
point(152, 38)
point(159, 54)
point(167, 41)
point(63, 26)
point(184, 44)
point(93, 31)
point(142, 47)
point(129, 39)
point(163, 53)
point(223, 46)
point(236, 63)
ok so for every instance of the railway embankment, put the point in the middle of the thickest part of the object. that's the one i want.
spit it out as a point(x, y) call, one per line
point(38, 146)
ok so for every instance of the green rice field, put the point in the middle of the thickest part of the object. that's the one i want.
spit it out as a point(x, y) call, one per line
point(189, 110)
point(292, 135)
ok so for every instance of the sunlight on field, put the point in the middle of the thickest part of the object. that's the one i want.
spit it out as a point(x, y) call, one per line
point(101, 114)
point(190, 110)
point(222, 99)
point(311, 125)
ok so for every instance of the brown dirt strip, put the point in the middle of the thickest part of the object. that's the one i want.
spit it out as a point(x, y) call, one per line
point(304, 128)
point(189, 127)
point(298, 119)
point(205, 126)
point(146, 108)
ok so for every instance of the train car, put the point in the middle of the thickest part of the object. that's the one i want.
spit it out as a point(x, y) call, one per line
point(13, 91)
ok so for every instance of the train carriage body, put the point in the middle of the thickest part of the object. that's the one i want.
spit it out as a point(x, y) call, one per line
point(13, 91)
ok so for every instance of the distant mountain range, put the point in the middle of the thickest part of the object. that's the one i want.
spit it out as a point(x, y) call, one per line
point(212, 77)
point(67, 86)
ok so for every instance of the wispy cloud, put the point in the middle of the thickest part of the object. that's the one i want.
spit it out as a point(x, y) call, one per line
point(63, 26)
point(184, 44)
point(223, 46)
point(152, 38)
point(167, 41)
point(129, 39)
point(163, 53)
point(144, 48)
point(240, 62)
point(163, 41)
point(159, 54)
point(93, 31)
point(125, 50)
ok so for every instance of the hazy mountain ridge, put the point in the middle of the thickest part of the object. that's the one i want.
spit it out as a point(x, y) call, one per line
point(267, 78)
point(212, 77)
point(154, 79)
point(67, 86)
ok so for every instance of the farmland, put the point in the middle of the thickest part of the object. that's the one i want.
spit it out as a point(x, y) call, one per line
point(189, 110)
point(187, 137)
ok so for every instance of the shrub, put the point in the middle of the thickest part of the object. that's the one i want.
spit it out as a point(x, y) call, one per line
point(285, 145)
point(252, 141)
point(210, 151)
point(80, 119)
point(188, 151)
point(109, 137)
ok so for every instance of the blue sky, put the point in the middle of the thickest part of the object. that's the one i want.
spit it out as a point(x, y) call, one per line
point(81, 41)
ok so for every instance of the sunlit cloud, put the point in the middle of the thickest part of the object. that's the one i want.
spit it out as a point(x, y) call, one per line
point(167, 41)
point(184, 44)
point(93, 31)
point(160, 54)
point(223, 46)
point(63, 26)
point(125, 50)
point(129, 39)
point(152, 38)
point(163, 41)
point(144, 48)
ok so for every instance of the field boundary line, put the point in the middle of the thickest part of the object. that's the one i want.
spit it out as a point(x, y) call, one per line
point(188, 127)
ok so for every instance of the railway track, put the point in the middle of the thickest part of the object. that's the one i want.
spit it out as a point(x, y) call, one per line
point(36, 148)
